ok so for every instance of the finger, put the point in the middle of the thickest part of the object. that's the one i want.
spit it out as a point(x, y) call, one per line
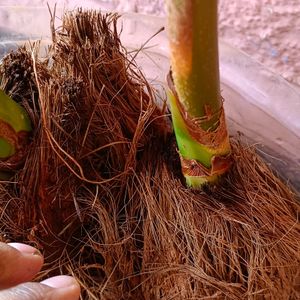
point(55, 288)
point(18, 263)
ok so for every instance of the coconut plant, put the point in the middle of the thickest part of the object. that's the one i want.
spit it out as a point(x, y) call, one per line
point(101, 190)
point(195, 98)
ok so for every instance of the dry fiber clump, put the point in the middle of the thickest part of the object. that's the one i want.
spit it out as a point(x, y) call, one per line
point(100, 191)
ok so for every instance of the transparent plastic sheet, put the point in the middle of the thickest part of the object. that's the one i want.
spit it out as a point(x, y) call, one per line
point(258, 103)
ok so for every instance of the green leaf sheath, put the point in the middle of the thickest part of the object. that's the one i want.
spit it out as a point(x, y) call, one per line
point(13, 120)
point(6, 149)
point(194, 94)
point(13, 114)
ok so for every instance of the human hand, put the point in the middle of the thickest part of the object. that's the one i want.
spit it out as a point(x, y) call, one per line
point(19, 263)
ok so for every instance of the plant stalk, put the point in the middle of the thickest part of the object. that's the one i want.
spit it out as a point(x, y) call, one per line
point(194, 90)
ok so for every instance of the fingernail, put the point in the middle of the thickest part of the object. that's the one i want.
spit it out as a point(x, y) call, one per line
point(65, 287)
point(25, 249)
point(61, 281)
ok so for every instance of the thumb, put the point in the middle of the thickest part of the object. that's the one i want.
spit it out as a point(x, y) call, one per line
point(55, 288)
point(18, 263)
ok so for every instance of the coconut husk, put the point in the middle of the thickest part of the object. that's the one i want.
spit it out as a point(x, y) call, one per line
point(101, 194)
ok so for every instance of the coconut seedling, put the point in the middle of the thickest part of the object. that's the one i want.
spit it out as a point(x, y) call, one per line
point(101, 191)
point(195, 98)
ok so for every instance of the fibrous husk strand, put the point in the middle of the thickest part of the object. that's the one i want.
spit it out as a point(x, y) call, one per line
point(102, 195)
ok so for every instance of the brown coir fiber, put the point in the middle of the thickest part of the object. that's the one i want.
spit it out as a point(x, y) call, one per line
point(101, 195)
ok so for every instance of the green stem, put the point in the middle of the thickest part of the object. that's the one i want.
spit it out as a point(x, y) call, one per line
point(6, 149)
point(13, 122)
point(194, 59)
point(13, 114)
point(195, 98)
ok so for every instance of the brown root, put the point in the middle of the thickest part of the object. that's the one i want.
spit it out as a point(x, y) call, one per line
point(101, 195)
